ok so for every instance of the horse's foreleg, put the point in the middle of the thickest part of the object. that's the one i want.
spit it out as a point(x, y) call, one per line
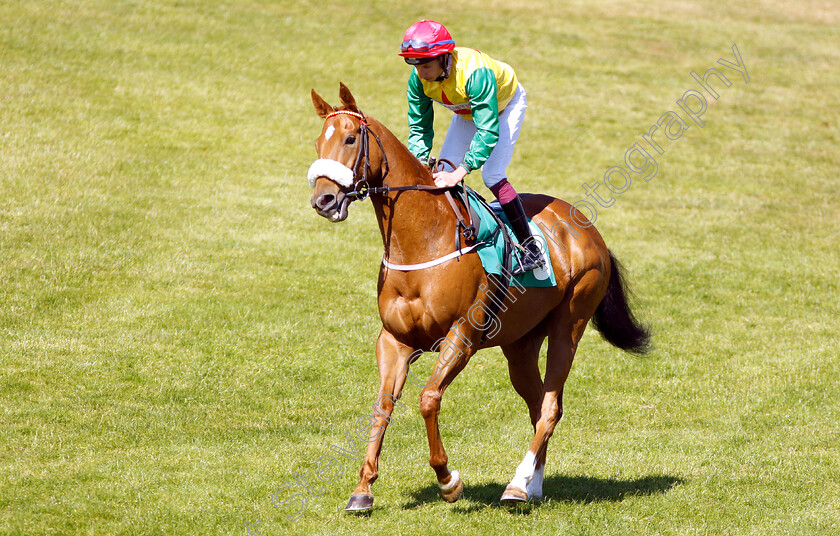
point(391, 359)
point(453, 357)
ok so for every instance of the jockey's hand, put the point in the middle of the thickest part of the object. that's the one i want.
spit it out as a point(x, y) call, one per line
point(445, 179)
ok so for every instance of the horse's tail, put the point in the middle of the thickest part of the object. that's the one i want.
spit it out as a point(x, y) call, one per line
point(614, 319)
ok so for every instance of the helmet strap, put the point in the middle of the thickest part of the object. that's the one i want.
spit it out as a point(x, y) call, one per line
point(446, 63)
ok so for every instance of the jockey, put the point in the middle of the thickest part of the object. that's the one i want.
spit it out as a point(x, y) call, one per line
point(489, 106)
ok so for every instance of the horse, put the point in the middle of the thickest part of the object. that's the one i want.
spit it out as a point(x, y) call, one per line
point(428, 287)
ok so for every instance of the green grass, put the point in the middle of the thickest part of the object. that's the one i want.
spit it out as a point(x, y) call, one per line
point(180, 334)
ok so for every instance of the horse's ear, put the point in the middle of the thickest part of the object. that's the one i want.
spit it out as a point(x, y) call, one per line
point(347, 98)
point(321, 106)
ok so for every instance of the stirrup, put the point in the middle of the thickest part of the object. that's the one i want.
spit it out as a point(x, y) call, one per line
point(529, 259)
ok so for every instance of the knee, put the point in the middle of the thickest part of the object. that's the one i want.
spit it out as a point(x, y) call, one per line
point(503, 190)
point(429, 403)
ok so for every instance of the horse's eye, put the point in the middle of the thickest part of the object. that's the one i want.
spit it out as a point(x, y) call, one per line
point(350, 140)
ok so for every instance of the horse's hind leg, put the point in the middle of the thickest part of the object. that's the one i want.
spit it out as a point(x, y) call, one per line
point(523, 365)
point(565, 325)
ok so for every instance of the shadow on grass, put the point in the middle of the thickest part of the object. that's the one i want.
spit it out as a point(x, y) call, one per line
point(574, 489)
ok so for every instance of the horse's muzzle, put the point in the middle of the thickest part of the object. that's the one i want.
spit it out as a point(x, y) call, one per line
point(329, 201)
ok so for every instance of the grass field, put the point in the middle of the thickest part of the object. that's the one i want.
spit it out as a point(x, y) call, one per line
point(181, 335)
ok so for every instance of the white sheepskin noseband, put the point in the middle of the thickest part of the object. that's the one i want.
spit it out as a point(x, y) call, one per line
point(331, 169)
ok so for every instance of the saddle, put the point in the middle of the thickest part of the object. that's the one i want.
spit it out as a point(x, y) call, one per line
point(497, 248)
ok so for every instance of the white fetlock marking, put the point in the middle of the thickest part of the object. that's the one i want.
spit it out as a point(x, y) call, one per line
point(524, 472)
point(456, 477)
point(535, 487)
point(331, 169)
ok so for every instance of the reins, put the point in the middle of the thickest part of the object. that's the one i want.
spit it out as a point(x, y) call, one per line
point(362, 190)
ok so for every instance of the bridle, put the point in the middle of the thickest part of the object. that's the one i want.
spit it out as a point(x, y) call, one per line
point(362, 190)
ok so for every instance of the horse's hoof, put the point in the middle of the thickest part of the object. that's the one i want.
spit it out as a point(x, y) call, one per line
point(514, 495)
point(362, 502)
point(452, 492)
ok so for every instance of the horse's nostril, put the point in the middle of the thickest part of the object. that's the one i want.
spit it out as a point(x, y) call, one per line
point(325, 201)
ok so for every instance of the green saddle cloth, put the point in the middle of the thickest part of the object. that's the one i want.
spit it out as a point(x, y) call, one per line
point(492, 250)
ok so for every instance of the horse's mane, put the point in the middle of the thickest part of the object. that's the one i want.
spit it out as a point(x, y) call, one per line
point(384, 131)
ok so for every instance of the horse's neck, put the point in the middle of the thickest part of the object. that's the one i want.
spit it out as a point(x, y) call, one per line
point(416, 226)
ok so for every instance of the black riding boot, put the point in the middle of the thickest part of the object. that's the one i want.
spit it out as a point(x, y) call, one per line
point(531, 257)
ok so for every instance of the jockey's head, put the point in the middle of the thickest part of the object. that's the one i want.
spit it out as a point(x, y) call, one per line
point(424, 42)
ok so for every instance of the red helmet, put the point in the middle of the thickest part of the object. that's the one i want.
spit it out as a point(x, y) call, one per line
point(425, 40)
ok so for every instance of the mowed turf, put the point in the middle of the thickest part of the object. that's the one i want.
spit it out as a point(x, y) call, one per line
point(183, 340)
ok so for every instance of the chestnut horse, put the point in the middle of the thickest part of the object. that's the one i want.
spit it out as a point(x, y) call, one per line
point(425, 309)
